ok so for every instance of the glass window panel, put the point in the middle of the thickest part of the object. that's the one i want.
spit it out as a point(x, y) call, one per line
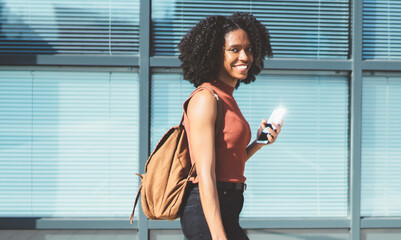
point(298, 29)
point(381, 29)
point(168, 93)
point(304, 174)
point(381, 141)
point(68, 143)
point(106, 27)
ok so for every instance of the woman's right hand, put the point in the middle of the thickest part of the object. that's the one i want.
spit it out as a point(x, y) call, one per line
point(272, 137)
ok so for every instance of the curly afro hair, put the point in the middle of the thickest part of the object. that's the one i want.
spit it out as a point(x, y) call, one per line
point(201, 47)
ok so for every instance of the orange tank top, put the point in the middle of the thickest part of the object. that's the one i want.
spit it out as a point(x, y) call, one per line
point(232, 139)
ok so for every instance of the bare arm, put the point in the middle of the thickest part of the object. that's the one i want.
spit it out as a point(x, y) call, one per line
point(254, 146)
point(202, 112)
point(252, 149)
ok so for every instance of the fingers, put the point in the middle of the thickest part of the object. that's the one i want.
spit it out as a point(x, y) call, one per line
point(278, 126)
point(263, 123)
point(271, 139)
point(272, 136)
point(261, 127)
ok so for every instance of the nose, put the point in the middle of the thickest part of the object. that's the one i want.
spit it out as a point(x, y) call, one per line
point(243, 56)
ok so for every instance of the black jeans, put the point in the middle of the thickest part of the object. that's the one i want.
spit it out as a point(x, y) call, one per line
point(193, 222)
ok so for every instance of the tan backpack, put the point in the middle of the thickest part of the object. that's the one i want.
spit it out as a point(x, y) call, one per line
point(168, 170)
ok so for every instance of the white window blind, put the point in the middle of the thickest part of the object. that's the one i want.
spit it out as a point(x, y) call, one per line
point(304, 174)
point(106, 27)
point(298, 28)
point(68, 143)
point(381, 141)
point(168, 93)
point(381, 29)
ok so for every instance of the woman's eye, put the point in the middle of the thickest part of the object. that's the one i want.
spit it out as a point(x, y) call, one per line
point(236, 50)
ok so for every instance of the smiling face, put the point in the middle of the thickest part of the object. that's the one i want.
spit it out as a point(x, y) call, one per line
point(237, 57)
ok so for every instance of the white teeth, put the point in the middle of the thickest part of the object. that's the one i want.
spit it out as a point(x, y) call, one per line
point(242, 67)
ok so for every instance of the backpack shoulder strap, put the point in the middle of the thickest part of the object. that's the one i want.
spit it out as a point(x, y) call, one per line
point(219, 117)
point(131, 218)
point(218, 123)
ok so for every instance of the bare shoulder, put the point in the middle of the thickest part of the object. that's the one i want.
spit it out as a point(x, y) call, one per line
point(202, 104)
point(202, 96)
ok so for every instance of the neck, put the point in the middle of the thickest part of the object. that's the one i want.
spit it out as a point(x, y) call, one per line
point(230, 83)
point(222, 86)
point(228, 80)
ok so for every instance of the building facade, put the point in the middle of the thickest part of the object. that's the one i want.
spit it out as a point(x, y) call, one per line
point(88, 88)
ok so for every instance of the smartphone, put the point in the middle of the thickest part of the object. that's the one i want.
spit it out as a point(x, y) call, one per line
point(276, 117)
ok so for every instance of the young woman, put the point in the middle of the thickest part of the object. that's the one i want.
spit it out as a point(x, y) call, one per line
point(219, 53)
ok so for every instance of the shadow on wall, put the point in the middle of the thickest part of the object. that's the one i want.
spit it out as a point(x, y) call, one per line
point(65, 28)
point(380, 31)
point(94, 31)
point(16, 34)
point(294, 32)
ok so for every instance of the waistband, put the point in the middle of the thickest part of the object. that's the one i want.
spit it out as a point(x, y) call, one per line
point(229, 186)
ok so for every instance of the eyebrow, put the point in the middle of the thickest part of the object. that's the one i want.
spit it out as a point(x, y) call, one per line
point(238, 45)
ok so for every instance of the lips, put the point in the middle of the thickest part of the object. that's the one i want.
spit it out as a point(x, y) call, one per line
point(241, 68)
